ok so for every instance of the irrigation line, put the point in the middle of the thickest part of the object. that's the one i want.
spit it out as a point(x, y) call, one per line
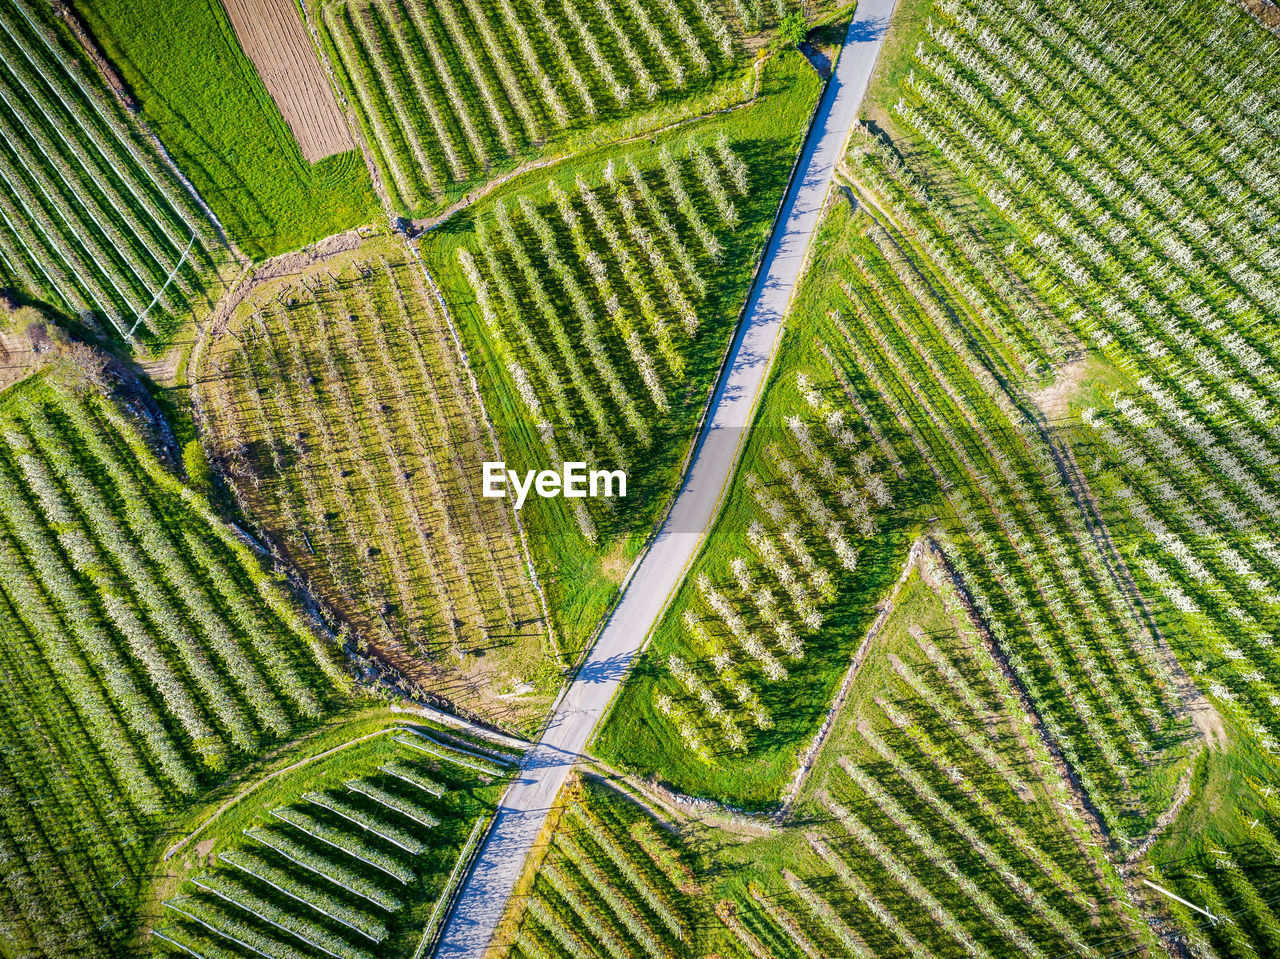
point(215, 930)
point(257, 915)
point(332, 843)
point(177, 945)
point(1176, 898)
point(172, 274)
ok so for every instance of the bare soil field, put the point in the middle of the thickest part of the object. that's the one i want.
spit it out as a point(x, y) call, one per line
point(17, 360)
point(273, 35)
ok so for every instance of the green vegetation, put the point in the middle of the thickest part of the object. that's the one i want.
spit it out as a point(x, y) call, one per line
point(344, 418)
point(455, 93)
point(339, 854)
point(1057, 298)
point(934, 817)
point(793, 28)
point(203, 98)
point(935, 821)
point(1221, 855)
point(654, 261)
point(92, 219)
point(748, 657)
point(147, 653)
point(608, 885)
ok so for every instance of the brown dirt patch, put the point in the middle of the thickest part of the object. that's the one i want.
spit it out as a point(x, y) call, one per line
point(1054, 398)
point(17, 360)
point(272, 34)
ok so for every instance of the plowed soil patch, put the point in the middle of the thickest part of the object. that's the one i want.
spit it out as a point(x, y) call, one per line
point(273, 35)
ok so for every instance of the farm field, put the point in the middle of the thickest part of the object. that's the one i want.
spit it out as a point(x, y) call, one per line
point(146, 655)
point(869, 341)
point(203, 98)
point(342, 413)
point(349, 855)
point(595, 301)
point(611, 882)
point(92, 219)
point(275, 39)
point(452, 93)
point(976, 659)
point(1044, 306)
point(914, 834)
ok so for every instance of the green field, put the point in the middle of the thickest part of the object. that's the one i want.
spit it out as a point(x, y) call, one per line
point(1057, 299)
point(148, 655)
point(673, 305)
point(778, 665)
point(93, 220)
point(203, 98)
point(979, 658)
point(933, 822)
point(451, 94)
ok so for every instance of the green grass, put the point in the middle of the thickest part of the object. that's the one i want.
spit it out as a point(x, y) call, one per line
point(203, 98)
point(1220, 852)
point(581, 580)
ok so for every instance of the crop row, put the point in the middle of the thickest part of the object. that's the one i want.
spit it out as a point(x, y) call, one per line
point(627, 278)
point(597, 896)
point(918, 841)
point(91, 217)
point(324, 381)
point(451, 88)
point(824, 486)
point(328, 874)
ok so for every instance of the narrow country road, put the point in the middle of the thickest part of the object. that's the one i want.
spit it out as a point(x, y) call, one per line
point(527, 802)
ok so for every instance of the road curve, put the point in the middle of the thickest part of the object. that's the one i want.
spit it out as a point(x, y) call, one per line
point(527, 802)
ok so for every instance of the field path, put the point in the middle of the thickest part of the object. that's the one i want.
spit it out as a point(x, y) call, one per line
point(527, 802)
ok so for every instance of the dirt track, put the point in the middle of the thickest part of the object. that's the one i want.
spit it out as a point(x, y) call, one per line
point(272, 34)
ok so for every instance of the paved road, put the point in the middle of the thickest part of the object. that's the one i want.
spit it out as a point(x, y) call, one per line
point(526, 803)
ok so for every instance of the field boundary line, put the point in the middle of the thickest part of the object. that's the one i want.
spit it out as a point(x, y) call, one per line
point(808, 759)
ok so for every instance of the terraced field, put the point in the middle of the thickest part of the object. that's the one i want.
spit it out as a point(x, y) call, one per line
point(92, 219)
